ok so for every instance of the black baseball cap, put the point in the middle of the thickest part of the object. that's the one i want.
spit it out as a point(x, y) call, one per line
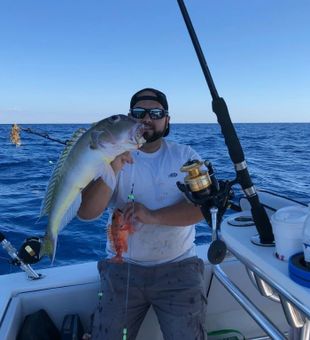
point(157, 96)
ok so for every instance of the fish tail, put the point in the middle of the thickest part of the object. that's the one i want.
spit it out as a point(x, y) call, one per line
point(48, 247)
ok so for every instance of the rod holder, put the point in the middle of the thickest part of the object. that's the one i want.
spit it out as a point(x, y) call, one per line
point(263, 287)
point(294, 317)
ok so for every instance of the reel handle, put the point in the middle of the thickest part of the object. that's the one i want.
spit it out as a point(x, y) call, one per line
point(217, 250)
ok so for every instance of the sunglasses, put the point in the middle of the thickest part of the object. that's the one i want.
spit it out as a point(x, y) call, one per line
point(139, 113)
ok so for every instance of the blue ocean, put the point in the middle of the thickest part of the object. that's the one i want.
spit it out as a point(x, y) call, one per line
point(277, 154)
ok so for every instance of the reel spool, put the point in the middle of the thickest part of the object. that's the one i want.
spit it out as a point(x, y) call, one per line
point(197, 180)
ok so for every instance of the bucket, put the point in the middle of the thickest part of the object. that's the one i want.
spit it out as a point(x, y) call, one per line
point(287, 225)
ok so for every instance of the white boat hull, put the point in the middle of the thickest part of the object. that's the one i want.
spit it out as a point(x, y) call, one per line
point(74, 289)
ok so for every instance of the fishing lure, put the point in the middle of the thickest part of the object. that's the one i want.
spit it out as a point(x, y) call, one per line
point(15, 135)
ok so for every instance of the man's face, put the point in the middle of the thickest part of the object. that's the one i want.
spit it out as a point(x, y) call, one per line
point(154, 128)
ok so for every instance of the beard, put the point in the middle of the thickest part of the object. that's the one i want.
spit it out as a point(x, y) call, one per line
point(152, 135)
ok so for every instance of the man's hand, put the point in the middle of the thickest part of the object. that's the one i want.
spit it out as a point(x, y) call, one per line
point(179, 214)
point(137, 212)
point(119, 161)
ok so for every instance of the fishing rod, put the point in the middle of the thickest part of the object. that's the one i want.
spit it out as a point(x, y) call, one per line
point(232, 142)
point(15, 135)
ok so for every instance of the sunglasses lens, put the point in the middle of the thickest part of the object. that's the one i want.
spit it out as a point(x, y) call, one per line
point(157, 113)
point(138, 113)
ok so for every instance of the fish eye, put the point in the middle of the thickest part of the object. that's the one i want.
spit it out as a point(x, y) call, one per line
point(115, 118)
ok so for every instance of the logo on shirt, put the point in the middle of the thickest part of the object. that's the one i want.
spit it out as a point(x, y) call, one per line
point(173, 174)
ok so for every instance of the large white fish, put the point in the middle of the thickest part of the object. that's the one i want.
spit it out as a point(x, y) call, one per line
point(78, 165)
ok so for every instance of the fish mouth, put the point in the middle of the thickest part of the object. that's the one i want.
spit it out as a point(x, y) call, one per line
point(138, 134)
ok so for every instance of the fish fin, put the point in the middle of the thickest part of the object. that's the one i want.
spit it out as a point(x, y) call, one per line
point(49, 194)
point(128, 227)
point(48, 247)
point(110, 237)
point(71, 212)
point(109, 232)
point(49, 242)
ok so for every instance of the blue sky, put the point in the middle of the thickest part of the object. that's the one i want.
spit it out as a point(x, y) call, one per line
point(79, 61)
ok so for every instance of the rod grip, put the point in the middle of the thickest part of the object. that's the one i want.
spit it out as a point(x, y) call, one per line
point(219, 107)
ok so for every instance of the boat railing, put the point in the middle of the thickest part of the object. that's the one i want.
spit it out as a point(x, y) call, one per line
point(297, 313)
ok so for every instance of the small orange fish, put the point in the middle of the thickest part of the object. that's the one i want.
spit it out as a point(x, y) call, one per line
point(118, 233)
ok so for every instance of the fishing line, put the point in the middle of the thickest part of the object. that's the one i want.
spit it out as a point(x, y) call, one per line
point(7, 259)
point(131, 198)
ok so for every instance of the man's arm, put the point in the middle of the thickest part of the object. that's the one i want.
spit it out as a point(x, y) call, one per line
point(181, 214)
point(97, 194)
point(95, 198)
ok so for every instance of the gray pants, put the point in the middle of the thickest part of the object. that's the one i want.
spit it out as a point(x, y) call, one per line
point(176, 291)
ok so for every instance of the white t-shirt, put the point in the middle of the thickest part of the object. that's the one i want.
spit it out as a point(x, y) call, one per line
point(153, 177)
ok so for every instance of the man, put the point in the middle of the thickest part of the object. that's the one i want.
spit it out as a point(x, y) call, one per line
point(160, 267)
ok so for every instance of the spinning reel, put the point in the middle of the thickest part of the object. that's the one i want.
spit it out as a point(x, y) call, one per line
point(30, 250)
point(203, 189)
point(27, 254)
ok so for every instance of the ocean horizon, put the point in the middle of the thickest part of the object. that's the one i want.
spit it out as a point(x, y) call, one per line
point(173, 123)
